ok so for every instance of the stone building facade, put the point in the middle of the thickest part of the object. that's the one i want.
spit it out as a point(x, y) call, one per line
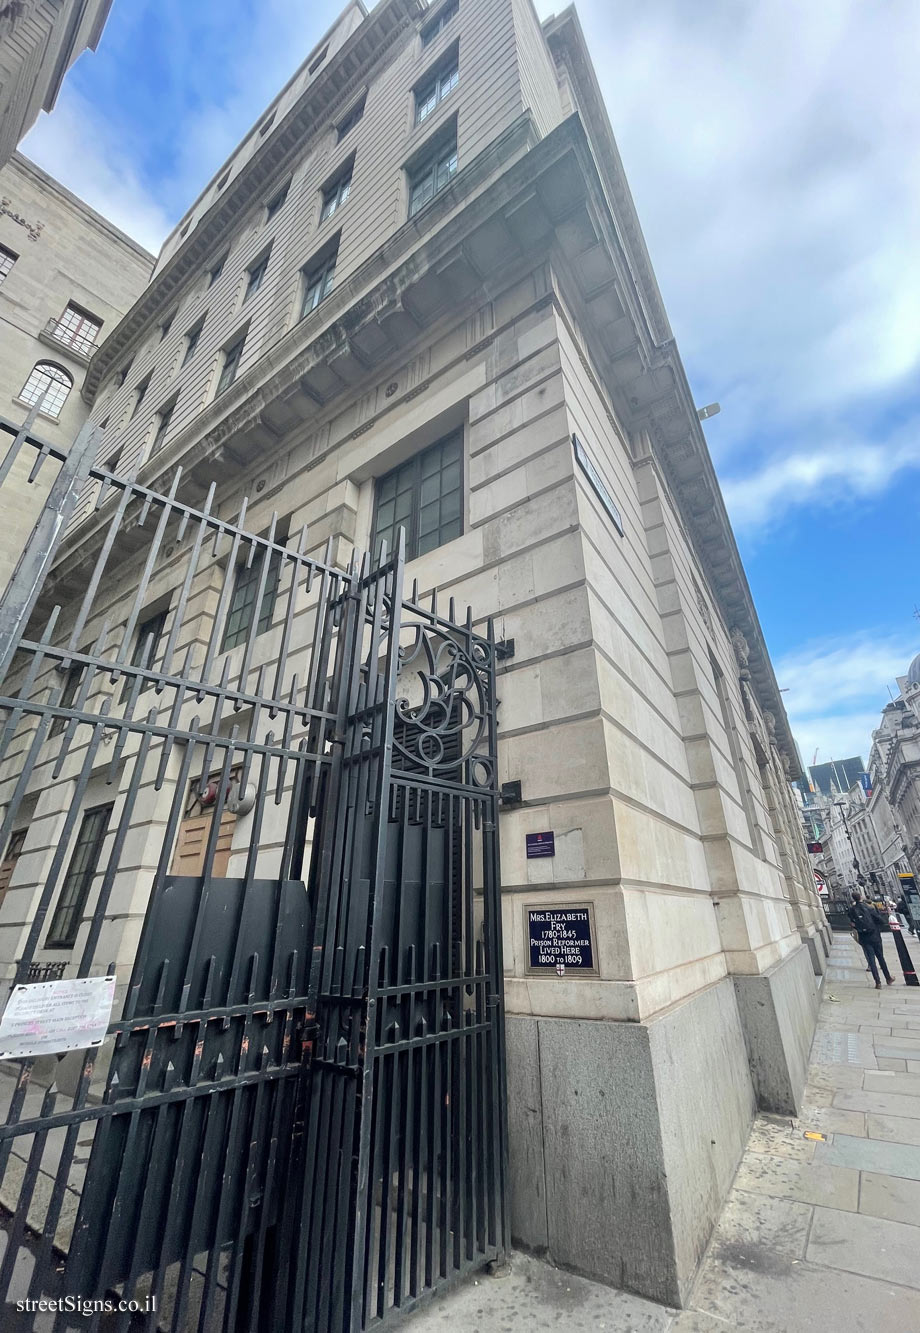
point(39, 41)
point(894, 763)
point(66, 278)
point(418, 294)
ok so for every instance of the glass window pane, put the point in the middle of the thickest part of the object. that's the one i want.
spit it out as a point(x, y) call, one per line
point(450, 477)
point(450, 507)
point(430, 490)
point(385, 514)
point(429, 517)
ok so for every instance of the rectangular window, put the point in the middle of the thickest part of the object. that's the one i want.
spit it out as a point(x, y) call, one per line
point(436, 87)
point(336, 193)
point(267, 123)
point(317, 282)
point(164, 417)
point(191, 340)
point(7, 260)
point(256, 272)
point(242, 610)
point(84, 863)
point(77, 328)
point(8, 864)
point(68, 698)
point(434, 27)
point(424, 495)
point(431, 173)
point(139, 393)
point(350, 120)
point(275, 205)
point(215, 272)
point(147, 642)
point(319, 60)
point(232, 357)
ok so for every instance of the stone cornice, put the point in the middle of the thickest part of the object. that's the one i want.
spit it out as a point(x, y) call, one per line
point(351, 65)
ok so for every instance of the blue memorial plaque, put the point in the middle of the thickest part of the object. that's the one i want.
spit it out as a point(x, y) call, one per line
point(560, 939)
point(540, 844)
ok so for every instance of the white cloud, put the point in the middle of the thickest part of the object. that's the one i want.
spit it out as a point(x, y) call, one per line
point(85, 153)
point(774, 153)
point(822, 476)
point(836, 689)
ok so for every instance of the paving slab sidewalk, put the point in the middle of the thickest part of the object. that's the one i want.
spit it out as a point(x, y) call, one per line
point(814, 1233)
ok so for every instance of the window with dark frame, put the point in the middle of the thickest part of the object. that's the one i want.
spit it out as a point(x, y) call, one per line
point(429, 174)
point(164, 417)
point(51, 383)
point(77, 328)
point(147, 640)
point(319, 60)
point(139, 393)
point(7, 260)
point(84, 863)
point(267, 123)
point(256, 272)
point(441, 81)
point(68, 697)
point(191, 339)
point(277, 202)
point(434, 27)
point(232, 357)
point(223, 180)
point(10, 857)
point(336, 192)
point(318, 280)
point(242, 610)
point(350, 120)
point(424, 495)
point(215, 272)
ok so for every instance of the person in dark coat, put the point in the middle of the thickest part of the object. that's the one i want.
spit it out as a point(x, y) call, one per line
point(868, 923)
point(904, 911)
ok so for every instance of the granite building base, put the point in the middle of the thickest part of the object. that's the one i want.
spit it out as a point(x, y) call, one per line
point(625, 1137)
point(779, 1010)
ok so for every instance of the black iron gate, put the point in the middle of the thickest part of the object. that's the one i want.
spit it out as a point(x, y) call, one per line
point(280, 836)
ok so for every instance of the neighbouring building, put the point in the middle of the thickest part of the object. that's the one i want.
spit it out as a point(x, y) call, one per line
point(417, 295)
point(837, 775)
point(894, 764)
point(39, 41)
point(66, 278)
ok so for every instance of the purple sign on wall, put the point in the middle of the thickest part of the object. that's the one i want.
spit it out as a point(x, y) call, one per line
point(540, 844)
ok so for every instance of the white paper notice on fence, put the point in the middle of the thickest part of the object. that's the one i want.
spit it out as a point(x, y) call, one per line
point(48, 1017)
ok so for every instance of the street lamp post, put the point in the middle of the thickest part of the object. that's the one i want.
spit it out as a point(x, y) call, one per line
point(842, 807)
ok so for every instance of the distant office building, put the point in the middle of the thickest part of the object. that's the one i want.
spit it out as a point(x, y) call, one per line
point(67, 276)
point(839, 774)
point(894, 767)
point(39, 41)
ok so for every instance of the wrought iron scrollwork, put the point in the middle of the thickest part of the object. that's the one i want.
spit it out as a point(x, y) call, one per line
point(443, 704)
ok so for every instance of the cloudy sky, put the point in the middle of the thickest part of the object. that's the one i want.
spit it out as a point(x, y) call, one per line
point(773, 150)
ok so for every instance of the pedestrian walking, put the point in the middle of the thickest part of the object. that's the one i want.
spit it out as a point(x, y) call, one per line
point(867, 924)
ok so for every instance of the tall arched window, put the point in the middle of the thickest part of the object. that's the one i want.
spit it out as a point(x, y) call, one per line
point(50, 380)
